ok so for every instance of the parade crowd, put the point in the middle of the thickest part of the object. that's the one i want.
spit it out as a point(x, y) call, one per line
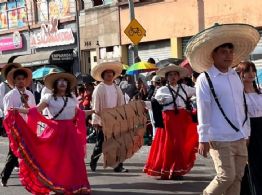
point(213, 106)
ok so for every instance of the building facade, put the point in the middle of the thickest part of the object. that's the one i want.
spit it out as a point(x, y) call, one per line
point(169, 24)
point(99, 25)
point(38, 33)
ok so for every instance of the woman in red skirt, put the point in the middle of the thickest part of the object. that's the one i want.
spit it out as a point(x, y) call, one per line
point(172, 153)
point(54, 160)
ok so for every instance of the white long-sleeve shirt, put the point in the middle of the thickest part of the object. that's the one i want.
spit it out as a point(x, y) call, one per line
point(13, 99)
point(229, 90)
point(164, 96)
point(254, 104)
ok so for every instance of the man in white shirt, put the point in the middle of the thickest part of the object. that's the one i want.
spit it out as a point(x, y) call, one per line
point(223, 124)
point(18, 97)
point(106, 95)
point(5, 88)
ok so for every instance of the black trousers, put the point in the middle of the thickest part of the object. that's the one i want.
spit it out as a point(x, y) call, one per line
point(11, 163)
point(98, 147)
point(252, 180)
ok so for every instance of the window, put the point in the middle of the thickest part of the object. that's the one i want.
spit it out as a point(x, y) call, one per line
point(13, 14)
point(97, 2)
point(110, 49)
point(47, 9)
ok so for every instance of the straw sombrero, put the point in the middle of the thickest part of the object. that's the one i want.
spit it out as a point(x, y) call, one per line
point(7, 66)
point(100, 68)
point(173, 68)
point(10, 76)
point(51, 78)
point(200, 47)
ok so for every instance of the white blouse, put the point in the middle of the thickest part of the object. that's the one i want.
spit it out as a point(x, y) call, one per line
point(163, 96)
point(254, 104)
point(54, 106)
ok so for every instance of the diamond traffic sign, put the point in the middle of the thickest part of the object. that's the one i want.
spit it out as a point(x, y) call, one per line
point(135, 31)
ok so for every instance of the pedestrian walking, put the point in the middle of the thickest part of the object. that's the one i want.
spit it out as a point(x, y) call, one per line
point(19, 96)
point(172, 153)
point(4, 89)
point(222, 115)
point(252, 180)
point(106, 95)
point(54, 160)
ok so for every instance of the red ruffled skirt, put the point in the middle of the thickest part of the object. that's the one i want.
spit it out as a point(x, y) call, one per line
point(173, 149)
point(53, 161)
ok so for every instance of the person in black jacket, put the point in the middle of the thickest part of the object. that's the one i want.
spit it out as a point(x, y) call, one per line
point(155, 84)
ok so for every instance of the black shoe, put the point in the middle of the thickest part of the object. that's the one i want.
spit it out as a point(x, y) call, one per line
point(93, 166)
point(120, 170)
point(178, 177)
point(3, 182)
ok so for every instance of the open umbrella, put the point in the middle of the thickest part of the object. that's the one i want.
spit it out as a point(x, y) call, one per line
point(40, 73)
point(185, 64)
point(124, 66)
point(140, 67)
point(166, 62)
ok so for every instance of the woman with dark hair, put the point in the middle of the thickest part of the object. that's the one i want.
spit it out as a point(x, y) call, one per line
point(247, 72)
point(54, 160)
point(172, 153)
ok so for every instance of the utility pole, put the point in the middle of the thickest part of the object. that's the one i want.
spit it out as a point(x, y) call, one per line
point(132, 16)
point(78, 69)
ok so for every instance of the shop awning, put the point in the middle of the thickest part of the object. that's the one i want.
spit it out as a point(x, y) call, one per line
point(47, 57)
point(4, 59)
point(41, 58)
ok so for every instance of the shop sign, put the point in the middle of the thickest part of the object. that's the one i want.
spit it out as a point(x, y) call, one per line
point(50, 36)
point(11, 43)
point(63, 56)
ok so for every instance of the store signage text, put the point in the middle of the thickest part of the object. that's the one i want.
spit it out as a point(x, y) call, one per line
point(50, 36)
point(11, 43)
point(62, 56)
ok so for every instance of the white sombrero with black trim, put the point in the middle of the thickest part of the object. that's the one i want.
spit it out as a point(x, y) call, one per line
point(199, 50)
point(183, 72)
point(97, 70)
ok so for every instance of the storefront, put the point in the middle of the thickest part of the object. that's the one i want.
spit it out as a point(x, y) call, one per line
point(51, 45)
point(13, 45)
point(158, 50)
point(64, 59)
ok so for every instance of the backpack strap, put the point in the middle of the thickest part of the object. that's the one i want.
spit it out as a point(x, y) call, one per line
point(62, 109)
point(174, 97)
point(218, 104)
point(186, 101)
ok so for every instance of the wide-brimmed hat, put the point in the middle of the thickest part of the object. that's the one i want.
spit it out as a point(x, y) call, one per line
point(156, 78)
point(97, 71)
point(10, 76)
point(4, 69)
point(200, 47)
point(51, 78)
point(173, 68)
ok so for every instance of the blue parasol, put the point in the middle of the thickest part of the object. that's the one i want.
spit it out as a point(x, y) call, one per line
point(40, 73)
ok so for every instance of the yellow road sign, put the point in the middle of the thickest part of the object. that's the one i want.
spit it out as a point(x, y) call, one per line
point(135, 31)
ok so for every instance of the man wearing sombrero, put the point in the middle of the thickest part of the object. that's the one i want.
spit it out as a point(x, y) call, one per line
point(19, 96)
point(4, 87)
point(222, 114)
point(105, 95)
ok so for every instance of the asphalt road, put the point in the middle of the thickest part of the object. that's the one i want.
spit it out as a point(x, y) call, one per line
point(106, 182)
